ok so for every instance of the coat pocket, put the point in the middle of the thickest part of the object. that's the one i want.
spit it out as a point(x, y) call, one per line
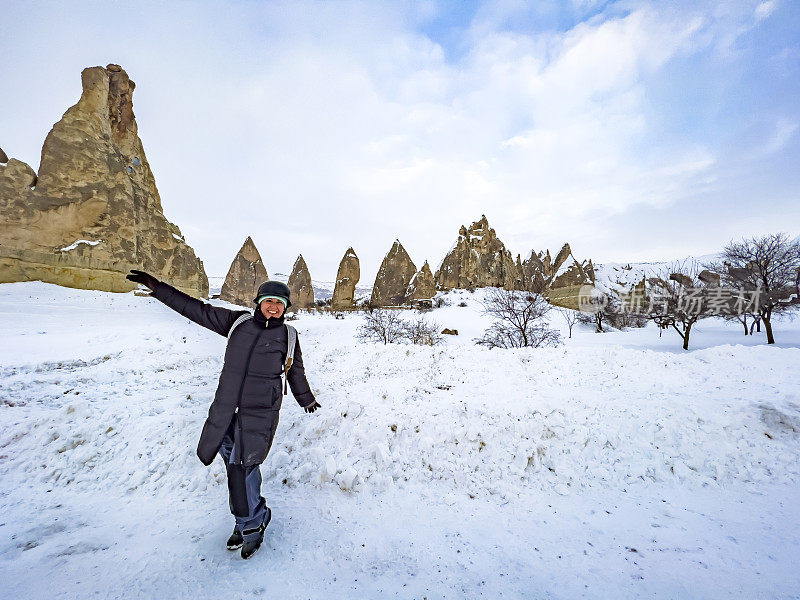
point(262, 393)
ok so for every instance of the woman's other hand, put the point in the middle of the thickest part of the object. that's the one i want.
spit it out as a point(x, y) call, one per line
point(312, 407)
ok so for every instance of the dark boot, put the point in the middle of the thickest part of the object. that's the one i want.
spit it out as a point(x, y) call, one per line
point(235, 541)
point(250, 547)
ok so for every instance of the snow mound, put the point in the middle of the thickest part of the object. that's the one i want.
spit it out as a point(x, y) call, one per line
point(405, 416)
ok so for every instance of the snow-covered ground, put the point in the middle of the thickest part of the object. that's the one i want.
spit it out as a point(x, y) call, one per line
point(614, 466)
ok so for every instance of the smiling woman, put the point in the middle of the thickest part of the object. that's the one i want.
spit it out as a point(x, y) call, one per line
point(273, 299)
point(243, 418)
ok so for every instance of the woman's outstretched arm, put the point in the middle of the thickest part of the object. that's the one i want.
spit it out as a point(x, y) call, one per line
point(214, 318)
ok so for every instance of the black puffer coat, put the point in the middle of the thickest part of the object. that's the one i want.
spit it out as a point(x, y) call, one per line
point(249, 389)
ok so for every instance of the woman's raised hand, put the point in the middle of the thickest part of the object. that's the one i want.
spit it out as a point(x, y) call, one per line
point(145, 279)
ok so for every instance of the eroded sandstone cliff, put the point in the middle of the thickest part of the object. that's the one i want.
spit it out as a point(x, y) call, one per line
point(478, 259)
point(93, 211)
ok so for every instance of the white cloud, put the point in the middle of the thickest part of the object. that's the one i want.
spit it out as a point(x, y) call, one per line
point(784, 131)
point(765, 9)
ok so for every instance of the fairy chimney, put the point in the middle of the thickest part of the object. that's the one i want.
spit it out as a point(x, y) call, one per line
point(393, 277)
point(247, 272)
point(422, 285)
point(302, 292)
point(346, 279)
point(93, 211)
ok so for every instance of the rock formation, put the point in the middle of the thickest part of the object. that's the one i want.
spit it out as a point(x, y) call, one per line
point(540, 272)
point(3, 156)
point(93, 212)
point(346, 279)
point(247, 272)
point(300, 286)
point(560, 279)
point(709, 278)
point(422, 285)
point(393, 277)
point(479, 259)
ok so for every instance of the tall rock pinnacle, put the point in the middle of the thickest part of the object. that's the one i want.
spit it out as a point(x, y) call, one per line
point(346, 279)
point(300, 285)
point(93, 211)
point(393, 277)
point(246, 273)
point(422, 285)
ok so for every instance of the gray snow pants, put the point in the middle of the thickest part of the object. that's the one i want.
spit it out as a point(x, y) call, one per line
point(244, 492)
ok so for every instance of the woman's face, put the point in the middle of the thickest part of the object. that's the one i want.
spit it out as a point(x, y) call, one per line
point(271, 308)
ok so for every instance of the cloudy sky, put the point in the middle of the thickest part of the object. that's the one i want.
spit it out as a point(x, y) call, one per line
point(634, 130)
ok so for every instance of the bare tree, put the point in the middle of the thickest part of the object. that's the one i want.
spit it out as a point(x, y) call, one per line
point(680, 299)
point(770, 265)
point(519, 320)
point(381, 326)
point(717, 274)
point(570, 316)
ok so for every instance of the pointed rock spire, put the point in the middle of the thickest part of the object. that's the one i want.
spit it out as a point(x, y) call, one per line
point(93, 211)
point(541, 273)
point(302, 292)
point(247, 272)
point(422, 285)
point(346, 279)
point(393, 277)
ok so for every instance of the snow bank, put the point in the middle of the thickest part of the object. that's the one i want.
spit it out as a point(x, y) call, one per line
point(470, 420)
point(598, 469)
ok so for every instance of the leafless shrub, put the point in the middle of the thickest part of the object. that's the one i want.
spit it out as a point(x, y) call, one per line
point(519, 320)
point(625, 319)
point(603, 310)
point(422, 332)
point(381, 326)
point(440, 301)
point(365, 304)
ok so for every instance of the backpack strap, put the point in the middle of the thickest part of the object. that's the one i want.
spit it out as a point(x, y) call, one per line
point(239, 320)
point(291, 342)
